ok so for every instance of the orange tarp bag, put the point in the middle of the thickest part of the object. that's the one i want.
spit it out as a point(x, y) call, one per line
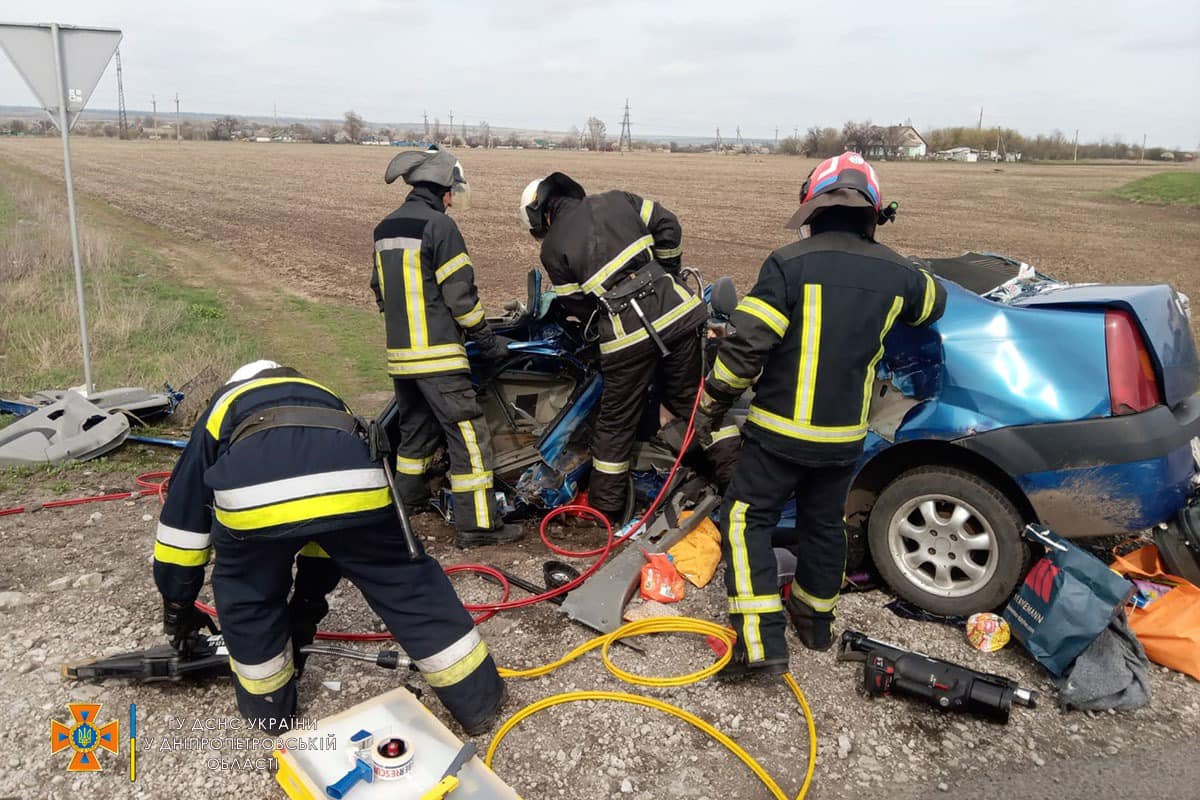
point(1169, 628)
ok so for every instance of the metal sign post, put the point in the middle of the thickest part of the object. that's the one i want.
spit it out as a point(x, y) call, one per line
point(62, 65)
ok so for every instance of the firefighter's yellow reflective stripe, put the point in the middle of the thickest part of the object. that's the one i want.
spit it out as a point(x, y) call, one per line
point(726, 376)
point(765, 313)
point(313, 550)
point(471, 441)
point(721, 434)
point(869, 380)
point(472, 317)
point(742, 587)
point(184, 540)
point(595, 284)
point(803, 430)
point(659, 324)
point(470, 481)
point(268, 676)
point(425, 353)
point(414, 294)
point(930, 297)
point(287, 489)
point(455, 663)
point(379, 275)
point(755, 604)
point(413, 466)
point(810, 353)
point(647, 210)
point(452, 266)
point(308, 508)
point(179, 556)
point(610, 467)
point(567, 288)
point(618, 326)
point(221, 407)
point(416, 368)
point(821, 604)
point(668, 252)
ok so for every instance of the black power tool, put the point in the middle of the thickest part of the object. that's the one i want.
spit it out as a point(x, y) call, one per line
point(888, 669)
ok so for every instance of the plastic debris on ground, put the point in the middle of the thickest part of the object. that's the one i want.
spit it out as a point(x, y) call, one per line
point(660, 580)
point(697, 556)
point(987, 632)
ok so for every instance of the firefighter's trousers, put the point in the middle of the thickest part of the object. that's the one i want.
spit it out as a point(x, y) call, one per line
point(626, 379)
point(434, 408)
point(251, 579)
point(762, 484)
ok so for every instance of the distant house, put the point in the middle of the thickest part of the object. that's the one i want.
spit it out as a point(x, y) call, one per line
point(896, 141)
point(961, 153)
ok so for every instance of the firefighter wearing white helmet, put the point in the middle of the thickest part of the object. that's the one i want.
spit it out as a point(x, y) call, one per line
point(618, 256)
point(278, 470)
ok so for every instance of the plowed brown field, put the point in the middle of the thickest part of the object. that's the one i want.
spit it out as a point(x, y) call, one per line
point(305, 212)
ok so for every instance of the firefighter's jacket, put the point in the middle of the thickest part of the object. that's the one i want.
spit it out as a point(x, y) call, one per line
point(425, 286)
point(279, 482)
point(814, 326)
point(597, 242)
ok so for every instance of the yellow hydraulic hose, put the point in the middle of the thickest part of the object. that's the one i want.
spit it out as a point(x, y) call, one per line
point(661, 625)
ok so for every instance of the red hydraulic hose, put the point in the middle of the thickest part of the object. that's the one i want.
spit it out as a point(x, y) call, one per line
point(143, 480)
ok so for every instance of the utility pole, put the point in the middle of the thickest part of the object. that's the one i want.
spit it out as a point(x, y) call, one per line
point(451, 126)
point(1143, 154)
point(981, 118)
point(463, 126)
point(154, 112)
point(776, 137)
point(1076, 156)
point(720, 149)
point(275, 114)
point(740, 146)
point(122, 116)
point(626, 140)
point(178, 138)
point(425, 114)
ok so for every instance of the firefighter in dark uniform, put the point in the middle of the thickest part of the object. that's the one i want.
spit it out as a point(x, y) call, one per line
point(808, 338)
point(617, 256)
point(425, 286)
point(276, 467)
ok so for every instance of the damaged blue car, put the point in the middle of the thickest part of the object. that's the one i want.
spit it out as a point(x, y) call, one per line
point(1031, 400)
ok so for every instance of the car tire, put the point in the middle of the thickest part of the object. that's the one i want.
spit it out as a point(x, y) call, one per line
point(948, 541)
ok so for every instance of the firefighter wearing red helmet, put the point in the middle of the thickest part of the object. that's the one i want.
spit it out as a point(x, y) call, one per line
point(808, 338)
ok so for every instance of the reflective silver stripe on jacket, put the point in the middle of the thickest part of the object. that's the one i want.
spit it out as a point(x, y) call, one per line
point(397, 243)
point(177, 537)
point(262, 494)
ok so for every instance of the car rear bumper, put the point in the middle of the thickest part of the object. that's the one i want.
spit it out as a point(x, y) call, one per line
point(1103, 476)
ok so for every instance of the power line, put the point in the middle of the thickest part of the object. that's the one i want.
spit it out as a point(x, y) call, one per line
point(122, 116)
point(626, 140)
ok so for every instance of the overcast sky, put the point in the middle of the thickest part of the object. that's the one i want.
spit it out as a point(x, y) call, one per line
point(1102, 66)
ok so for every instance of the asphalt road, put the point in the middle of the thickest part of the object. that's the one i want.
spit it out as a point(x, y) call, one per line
point(1157, 770)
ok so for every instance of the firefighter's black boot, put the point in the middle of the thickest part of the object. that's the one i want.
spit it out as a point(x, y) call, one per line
point(509, 532)
point(815, 628)
point(740, 667)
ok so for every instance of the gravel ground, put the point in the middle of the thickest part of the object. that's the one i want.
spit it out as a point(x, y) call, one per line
point(82, 584)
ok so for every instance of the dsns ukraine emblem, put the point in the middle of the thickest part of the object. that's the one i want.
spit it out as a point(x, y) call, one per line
point(85, 737)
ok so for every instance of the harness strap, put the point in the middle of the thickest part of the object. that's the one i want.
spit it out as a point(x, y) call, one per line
point(298, 417)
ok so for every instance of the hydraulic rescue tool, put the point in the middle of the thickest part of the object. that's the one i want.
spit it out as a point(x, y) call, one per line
point(888, 669)
point(204, 656)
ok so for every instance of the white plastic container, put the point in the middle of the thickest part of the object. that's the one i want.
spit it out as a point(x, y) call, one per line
point(304, 774)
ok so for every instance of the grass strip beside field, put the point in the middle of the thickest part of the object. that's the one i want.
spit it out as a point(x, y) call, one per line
point(156, 313)
point(1164, 189)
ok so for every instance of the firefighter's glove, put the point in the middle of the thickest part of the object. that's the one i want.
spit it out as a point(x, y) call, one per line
point(710, 413)
point(181, 622)
point(496, 349)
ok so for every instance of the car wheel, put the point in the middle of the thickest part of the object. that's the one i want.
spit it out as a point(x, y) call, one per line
point(947, 541)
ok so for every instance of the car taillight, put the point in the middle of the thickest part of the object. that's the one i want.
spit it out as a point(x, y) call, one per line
point(1132, 386)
